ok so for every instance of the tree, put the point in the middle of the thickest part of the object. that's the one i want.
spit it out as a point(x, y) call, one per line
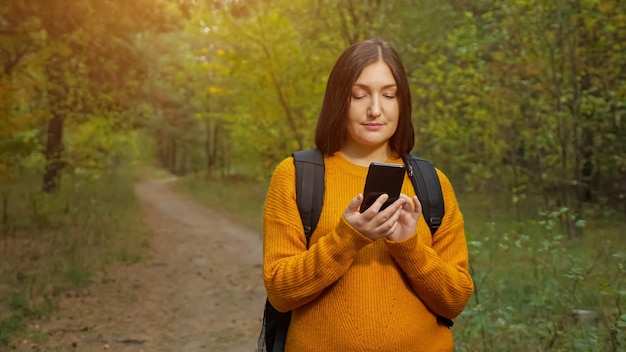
point(87, 60)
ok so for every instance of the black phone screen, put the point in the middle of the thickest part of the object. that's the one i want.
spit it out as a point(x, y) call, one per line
point(382, 178)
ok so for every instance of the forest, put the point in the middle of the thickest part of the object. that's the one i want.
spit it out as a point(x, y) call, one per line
point(522, 103)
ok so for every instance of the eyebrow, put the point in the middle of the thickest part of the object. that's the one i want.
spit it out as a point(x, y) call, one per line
point(393, 85)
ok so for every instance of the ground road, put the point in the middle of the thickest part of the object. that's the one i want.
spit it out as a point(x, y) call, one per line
point(200, 290)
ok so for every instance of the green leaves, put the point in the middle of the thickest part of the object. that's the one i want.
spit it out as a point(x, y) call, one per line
point(70, 65)
point(621, 323)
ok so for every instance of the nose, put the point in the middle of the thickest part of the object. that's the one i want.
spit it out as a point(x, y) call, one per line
point(374, 109)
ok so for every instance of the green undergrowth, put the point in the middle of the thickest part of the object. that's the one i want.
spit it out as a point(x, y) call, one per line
point(53, 243)
point(241, 199)
point(536, 288)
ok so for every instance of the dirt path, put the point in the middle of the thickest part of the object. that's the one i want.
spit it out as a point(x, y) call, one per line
point(200, 291)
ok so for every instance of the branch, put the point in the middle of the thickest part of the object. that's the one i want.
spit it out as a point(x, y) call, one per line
point(10, 65)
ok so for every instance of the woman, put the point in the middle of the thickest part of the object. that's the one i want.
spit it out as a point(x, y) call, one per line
point(371, 281)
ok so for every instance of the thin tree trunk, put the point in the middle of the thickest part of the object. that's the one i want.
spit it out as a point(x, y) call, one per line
point(54, 155)
point(57, 94)
point(575, 230)
point(172, 155)
point(208, 148)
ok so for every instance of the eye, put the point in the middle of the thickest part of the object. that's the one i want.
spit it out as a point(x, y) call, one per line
point(358, 93)
point(389, 95)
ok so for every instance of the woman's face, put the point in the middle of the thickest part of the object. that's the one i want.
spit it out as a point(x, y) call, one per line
point(374, 109)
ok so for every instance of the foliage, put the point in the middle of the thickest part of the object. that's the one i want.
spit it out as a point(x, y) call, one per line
point(530, 91)
point(240, 198)
point(70, 63)
point(524, 98)
point(526, 89)
point(536, 291)
point(534, 288)
point(51, 243)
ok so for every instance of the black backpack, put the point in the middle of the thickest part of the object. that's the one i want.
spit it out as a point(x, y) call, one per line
point(309, 197)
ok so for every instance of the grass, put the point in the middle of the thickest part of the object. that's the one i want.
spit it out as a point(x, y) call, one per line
point(530, 278)
point(535, 286)
point(52, 243)
point(239, 198)
point(533, 283)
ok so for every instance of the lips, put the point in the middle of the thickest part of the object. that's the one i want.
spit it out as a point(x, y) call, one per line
point(373, 126)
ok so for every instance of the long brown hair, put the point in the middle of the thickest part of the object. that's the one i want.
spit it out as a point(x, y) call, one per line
point(330, 133)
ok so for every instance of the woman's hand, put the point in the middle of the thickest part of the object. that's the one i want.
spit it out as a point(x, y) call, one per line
point(375, 223)
point(407, 222)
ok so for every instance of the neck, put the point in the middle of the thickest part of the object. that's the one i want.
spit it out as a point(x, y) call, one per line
point(365, 156)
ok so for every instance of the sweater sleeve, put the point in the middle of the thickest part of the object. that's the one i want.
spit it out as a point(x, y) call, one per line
point(293, 275)
point(439, 274)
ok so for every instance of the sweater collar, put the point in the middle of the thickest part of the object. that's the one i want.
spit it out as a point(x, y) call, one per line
point(361, 171)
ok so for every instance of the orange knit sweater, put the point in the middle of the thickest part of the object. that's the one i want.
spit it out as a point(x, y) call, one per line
point(349, 293)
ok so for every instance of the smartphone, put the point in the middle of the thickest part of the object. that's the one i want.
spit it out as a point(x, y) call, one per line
point(382, 178)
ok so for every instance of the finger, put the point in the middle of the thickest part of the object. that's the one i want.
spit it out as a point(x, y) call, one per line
point(399, 203)
point(386, 219)
point(385, 227)
point(355, 203)
point(391, 211)
point(388, 229)
point(417, 206)
point(408, 203)
point(375, 208)
point(393, 229)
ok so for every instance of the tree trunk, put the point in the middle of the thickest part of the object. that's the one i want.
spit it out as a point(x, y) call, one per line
point(172, 150)
point(54, 154)
point(57, 95)
point(209, 148)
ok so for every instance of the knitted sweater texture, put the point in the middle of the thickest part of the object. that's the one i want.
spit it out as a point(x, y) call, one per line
point(349, 293)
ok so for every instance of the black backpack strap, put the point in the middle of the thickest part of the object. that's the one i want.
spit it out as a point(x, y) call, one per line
point(309, 197)
point(309, 188)
point(274, 330)
point(428, 189)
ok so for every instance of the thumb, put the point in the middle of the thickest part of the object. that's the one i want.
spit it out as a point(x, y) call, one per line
point(417, 205)
point(354, 205)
